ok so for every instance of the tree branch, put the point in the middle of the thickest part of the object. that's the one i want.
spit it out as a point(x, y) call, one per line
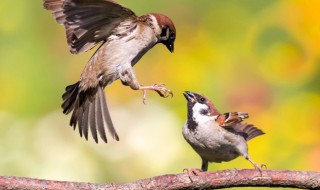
point(205, 180)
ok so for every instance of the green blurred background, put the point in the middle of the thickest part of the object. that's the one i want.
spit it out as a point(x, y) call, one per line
point(256, 56)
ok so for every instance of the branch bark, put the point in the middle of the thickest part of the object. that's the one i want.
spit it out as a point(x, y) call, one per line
point(205, 180)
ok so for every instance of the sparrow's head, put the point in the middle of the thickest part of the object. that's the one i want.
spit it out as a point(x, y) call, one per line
point(167, 31)
point(199, 105)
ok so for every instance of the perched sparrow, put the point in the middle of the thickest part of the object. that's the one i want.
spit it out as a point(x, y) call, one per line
point(124, 39)
point(216, 137)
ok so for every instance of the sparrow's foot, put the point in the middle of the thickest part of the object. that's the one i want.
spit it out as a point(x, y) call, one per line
point(263, 166)
point(159, 88)
point(260, 168)
point(192, 172)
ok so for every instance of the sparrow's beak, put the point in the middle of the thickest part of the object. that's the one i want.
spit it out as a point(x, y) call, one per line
point(170, 46)
point(190, 96)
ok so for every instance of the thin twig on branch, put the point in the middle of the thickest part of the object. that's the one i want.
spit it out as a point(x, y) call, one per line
point(205, 180)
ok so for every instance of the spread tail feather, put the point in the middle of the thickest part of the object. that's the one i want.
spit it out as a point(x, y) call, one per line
point(90, 110)
point(106, 115)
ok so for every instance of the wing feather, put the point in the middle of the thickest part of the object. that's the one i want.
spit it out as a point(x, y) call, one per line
point(88, 22)
point(231, 118)
point(231, 121)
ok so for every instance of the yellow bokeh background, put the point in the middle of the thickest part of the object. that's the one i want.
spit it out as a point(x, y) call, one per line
point(255, 56)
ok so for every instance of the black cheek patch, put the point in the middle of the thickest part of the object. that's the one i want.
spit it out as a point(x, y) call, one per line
point(204, 112)
point(163, 32)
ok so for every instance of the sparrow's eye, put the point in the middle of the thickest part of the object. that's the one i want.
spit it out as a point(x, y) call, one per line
point(202, 99)
point(172, 36)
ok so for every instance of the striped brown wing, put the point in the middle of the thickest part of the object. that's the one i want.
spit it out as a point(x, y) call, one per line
point(231, 118)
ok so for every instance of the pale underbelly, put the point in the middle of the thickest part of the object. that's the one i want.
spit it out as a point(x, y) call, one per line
point(221, 153)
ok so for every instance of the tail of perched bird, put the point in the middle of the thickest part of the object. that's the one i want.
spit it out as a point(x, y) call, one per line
point(89, 110)
point(247, 131)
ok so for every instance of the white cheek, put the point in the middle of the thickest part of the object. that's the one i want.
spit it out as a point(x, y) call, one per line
point(154, 21)
point(197, 116)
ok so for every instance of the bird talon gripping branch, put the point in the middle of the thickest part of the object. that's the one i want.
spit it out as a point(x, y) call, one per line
point(192, 172)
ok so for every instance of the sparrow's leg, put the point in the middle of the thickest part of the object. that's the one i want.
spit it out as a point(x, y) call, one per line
point(255, 165)
point(204, 166)
point(128, 78)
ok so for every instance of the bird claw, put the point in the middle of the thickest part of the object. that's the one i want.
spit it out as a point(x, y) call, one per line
point(162, 91)
point(159, 88)
point(192, 172)
point(263, 166)
point(260, 168)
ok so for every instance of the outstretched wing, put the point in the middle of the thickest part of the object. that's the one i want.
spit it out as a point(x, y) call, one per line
point(88, 22)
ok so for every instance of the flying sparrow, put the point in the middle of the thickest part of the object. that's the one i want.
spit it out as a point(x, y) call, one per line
point(124, 38)
point(216, 137)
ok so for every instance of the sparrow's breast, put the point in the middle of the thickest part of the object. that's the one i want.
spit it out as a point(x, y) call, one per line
point(121, 51)
point(129, 48)
point(214, 143)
